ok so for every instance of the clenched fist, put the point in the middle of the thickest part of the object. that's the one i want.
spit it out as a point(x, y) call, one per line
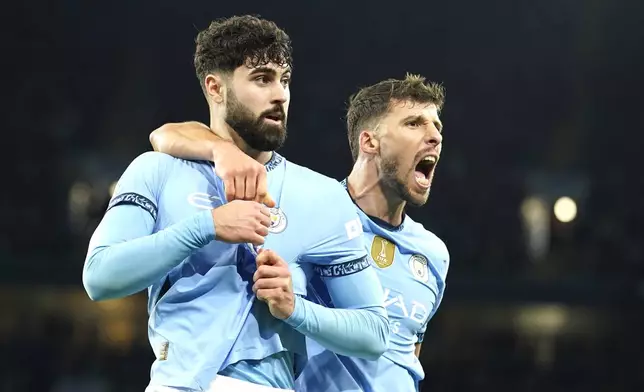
point(244, 178)
point(273, 284)
point(241, 221)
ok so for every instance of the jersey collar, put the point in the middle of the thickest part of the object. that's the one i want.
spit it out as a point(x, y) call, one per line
point(274, 162)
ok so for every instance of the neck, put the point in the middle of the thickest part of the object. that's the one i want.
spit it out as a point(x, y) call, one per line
point(371, 196)
point(221, 128)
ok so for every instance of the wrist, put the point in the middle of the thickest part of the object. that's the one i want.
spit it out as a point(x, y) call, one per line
point(206, 224)
point(216, 146)
point(298, 316)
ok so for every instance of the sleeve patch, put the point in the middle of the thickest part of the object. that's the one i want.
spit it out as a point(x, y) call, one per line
point(353, 228)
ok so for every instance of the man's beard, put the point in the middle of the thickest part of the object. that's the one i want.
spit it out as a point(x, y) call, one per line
point(257, 133)
point(391, 181)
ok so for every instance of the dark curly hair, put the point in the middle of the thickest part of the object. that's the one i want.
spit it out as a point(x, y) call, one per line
point(229, 43)
point(371, 103)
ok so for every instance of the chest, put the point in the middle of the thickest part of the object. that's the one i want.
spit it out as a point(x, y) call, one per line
point(287, 237)
point(191, 190)
point(411, 289)
point(194, 190)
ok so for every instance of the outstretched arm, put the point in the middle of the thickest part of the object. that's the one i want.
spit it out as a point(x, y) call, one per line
point(244, 178)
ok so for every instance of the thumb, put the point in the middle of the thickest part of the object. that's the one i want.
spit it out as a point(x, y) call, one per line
point(268, 257)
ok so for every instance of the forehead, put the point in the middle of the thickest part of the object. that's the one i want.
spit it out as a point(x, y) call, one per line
point(402, 109)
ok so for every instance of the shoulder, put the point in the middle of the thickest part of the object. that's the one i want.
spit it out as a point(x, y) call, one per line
point(310, 175)
point(160, 164)
point(149, 165)
point(425, 236)
point(152, 170)
point(318, 187)
point(329, 203)
point(429, 241)
point(153, 159)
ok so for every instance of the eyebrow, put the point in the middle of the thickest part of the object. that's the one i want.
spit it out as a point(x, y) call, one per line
point(268, 70)
point(420, 117)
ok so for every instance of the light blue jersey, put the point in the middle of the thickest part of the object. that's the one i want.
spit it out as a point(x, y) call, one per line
point(412, 265)
point(204, 320)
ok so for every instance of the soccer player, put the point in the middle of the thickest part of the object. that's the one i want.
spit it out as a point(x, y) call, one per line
point(168, 228)
point(395, 137)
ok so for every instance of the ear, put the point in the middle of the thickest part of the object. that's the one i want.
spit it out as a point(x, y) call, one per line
point(215, 87)
point(369, 143)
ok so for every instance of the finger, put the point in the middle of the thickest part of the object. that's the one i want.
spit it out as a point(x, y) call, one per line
point(267, 295)
point(267, 272)
point(262, 230)
point(240, 188)
point(268, 201)
point(229, 186)
point(250, 187)
point(256, 239)
point(273, 283)
point(264, 258)
point(264, 220)
point(262, 190)
point(269, 257)
point(264, 210)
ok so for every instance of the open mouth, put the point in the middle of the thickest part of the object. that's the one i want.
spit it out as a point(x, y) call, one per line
point(424, 170)
point(276, 117)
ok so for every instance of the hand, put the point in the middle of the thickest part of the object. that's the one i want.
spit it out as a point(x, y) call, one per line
point(241, 221)
point(273, 284)
point(244, 178)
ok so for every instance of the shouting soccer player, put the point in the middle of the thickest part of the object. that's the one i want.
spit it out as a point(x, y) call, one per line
point(168, 228)
point(395, 138)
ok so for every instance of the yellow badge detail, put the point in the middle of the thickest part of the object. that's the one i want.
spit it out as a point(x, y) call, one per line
point(278, 221)
point(382, 252)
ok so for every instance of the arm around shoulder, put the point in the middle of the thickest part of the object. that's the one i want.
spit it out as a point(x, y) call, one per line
point(188, 140)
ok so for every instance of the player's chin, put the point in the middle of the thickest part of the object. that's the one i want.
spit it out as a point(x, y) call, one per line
point(272, 137)
point(418, 193)
point(417, 197)
point(418, 200)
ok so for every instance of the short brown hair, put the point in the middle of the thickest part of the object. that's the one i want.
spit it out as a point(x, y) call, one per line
point(229, 43)
point(373, 102)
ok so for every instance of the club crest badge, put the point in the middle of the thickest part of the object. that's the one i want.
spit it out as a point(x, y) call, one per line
point(419, 268)
point(278, 221)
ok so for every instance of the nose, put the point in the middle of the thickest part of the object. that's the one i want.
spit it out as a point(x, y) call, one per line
point(434, 137)
point(280, 94)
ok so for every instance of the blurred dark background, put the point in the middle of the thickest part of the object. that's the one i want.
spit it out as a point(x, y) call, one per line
point(538, 195)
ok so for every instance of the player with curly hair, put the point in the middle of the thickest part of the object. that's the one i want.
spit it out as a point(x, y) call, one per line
point(227, 281)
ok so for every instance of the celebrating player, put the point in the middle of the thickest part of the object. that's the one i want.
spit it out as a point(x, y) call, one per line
point(168, 228)
point(395, 138)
